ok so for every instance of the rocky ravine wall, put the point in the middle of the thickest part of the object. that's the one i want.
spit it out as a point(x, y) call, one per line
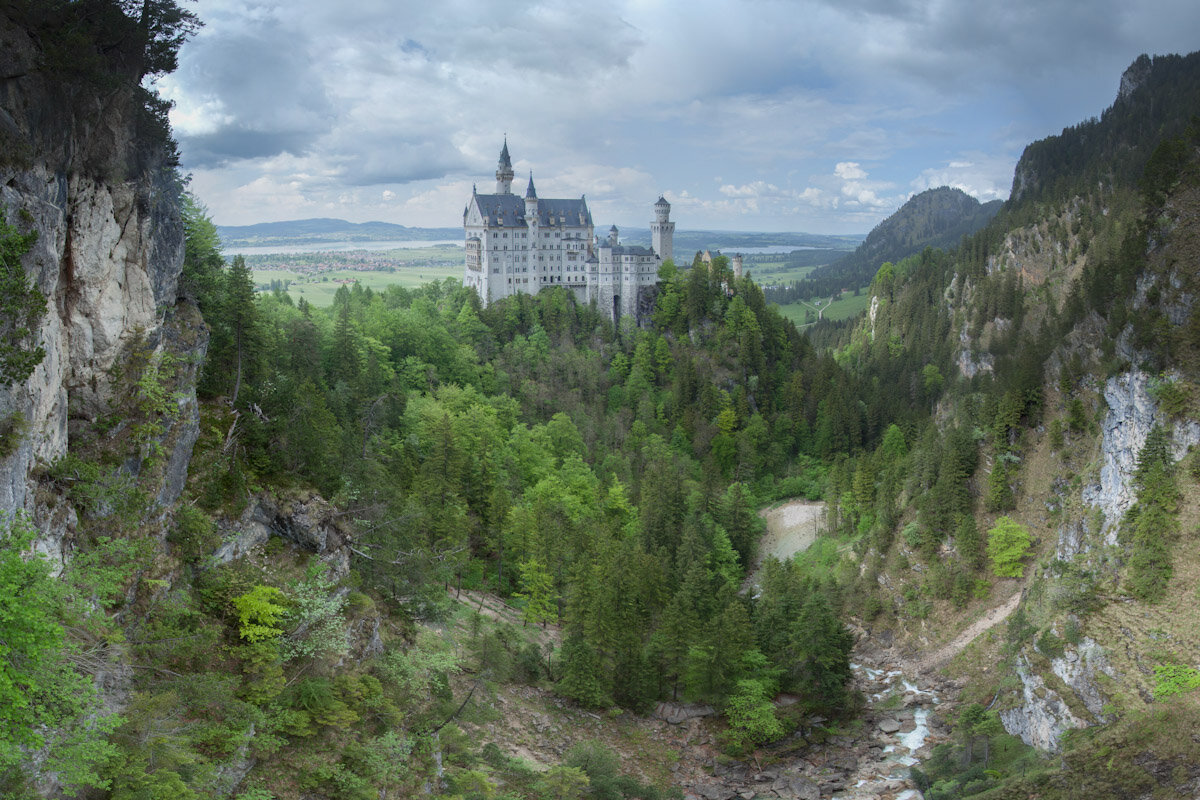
point(1045, 712)
point(108, 256)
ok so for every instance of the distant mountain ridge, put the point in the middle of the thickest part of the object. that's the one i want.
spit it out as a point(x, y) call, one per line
point(936, 218)
point(325, 229)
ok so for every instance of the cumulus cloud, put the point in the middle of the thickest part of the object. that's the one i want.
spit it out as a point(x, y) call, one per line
point(985, 177)
point(624, 99)
point(849, 171)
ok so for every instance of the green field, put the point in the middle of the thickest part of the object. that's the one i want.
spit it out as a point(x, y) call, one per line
point(319, 289)
point(784, 268)
point(776, 272)
point(845, 307)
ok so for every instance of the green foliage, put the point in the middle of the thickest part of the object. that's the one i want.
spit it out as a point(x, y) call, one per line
point(194, 534)
point(314, 618)
point(104, 571)
point(1151, 526)
point(12, 429)
point(155, 406)
point(29, 637)
point(100, 493)
point(1050, 645)
point(260, 612)
point(536, 590)
point(1008, 542)
point(1173, 396)
point(202, 261)
point(44, 703)
point(22, 306)
point(562, 783)
point(1173, 679)
point(999, 491)
point(582, 679)
point(751, 717)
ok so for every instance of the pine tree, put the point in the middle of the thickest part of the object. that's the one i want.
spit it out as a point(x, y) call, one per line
point(583, 679)
point(537, 590)
point(820, 656)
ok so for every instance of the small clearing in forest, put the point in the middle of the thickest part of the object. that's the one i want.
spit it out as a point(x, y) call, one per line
point(791, 527)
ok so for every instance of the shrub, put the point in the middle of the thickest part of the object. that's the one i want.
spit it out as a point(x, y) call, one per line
point(12, 429)
point(259, 612)
point(1173, 679)
point(22, 306)
point(194, 534)
point(1008, 542)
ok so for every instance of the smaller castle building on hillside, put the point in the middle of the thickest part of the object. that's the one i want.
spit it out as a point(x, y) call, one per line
point(516, 245)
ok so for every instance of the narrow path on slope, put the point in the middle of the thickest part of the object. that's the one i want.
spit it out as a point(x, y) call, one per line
point(992, 618)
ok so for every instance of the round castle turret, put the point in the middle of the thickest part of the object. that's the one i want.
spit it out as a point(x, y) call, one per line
point(662, 230)
point(662, 210)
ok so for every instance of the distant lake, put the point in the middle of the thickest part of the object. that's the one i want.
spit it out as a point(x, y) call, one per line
point(336, 247)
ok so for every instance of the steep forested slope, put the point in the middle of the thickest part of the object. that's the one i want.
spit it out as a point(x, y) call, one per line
point(1056, 350)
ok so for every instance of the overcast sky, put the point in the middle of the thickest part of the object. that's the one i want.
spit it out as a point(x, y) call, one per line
point(810, 116)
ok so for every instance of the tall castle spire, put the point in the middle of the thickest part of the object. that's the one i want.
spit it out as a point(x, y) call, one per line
point(504, 171)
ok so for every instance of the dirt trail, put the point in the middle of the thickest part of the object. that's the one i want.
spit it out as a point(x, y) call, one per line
point(992, 618)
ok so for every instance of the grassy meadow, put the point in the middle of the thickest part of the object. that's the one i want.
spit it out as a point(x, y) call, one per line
point(846, 306)
point(319, 289)
point(317, 276)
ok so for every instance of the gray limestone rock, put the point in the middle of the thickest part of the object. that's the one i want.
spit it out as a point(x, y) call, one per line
point(802, 788)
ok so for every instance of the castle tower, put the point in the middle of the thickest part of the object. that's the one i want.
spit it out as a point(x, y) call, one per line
point(662, 230)
point(737, 266)
point(613, 237)
point(504, 171)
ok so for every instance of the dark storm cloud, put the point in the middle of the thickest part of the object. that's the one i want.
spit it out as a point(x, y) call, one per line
point(233, 142)
point(267, 82)
point(392, 162)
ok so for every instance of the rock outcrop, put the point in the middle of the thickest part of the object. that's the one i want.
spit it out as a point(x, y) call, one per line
point(1045, 713)
point(1132, 413)
point(1043, 716)
point(109, 251)
point(306, 520)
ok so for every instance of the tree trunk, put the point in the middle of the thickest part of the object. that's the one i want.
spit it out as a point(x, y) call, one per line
point(237, 385)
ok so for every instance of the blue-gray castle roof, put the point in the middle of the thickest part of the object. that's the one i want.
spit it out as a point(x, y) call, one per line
point(508, 211)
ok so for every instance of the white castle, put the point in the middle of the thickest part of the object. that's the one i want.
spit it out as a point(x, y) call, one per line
point(515, 245)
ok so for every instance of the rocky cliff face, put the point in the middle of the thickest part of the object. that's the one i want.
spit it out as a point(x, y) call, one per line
point(108, 256)
point(1132, 413)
